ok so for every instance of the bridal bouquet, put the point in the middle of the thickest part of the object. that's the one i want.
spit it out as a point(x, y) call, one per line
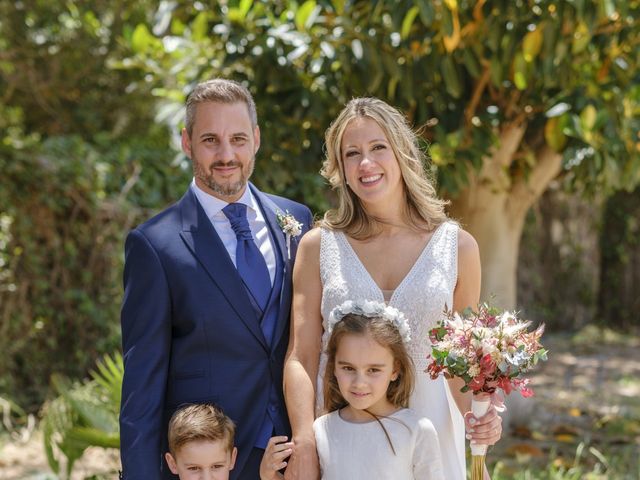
point(487, 349)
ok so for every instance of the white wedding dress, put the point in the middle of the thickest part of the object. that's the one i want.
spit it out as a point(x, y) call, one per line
point(421, 296)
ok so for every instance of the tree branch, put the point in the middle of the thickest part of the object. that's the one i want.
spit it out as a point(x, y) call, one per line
point(528, 189)
point(501, 157)
point(477, 95)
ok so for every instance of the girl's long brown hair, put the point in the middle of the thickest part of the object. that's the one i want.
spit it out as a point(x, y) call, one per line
point(387, 335)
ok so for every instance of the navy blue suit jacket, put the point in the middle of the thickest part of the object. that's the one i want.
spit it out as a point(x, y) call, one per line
point(190, 334)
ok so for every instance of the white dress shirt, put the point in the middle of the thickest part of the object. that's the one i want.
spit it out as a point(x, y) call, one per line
point(213, 208)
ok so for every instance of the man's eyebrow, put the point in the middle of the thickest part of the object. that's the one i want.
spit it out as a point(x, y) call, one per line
point(208, 134)
point(211, 134)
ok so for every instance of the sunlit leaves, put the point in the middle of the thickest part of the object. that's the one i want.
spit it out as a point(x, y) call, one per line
point(446, 60)
point(305, 15)
point(532, 44)
point(408, 22)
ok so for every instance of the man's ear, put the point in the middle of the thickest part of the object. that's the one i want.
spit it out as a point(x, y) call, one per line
point(234, 455)
point(186, 143)
point(256, 139)
point(171, 462)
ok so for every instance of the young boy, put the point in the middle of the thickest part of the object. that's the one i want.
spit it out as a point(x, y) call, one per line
point(201, 443)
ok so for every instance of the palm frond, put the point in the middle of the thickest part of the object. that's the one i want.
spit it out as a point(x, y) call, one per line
point(83, 415)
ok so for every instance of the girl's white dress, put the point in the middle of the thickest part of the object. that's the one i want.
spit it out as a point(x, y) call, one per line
point(421, 296)
point(361, 450)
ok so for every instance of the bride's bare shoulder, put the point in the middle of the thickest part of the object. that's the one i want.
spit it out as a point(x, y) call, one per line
point(467, 246)
point(311, 239)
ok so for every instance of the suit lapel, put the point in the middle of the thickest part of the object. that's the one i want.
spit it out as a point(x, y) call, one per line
point(205, 244)
point(269, 210)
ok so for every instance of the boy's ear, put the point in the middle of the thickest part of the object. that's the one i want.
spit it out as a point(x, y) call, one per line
point(234, 454)
point(172, 463)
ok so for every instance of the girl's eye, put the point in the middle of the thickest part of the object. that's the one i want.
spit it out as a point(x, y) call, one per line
point(193, 469)
point(374, 370)
point(347, 368)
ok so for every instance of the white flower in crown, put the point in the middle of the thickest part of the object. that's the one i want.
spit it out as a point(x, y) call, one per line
point(290, 227)
point(371, 309)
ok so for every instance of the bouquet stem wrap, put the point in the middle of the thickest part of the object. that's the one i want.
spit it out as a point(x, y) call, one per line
point(479, 406)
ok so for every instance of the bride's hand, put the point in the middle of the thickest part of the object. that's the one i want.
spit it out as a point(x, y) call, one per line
point(485, 430)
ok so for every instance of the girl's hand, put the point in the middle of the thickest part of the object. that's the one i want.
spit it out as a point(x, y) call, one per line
point(485, 430)
point(273, 460)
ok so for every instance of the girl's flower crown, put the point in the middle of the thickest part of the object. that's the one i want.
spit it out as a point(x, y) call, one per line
point(371, 309)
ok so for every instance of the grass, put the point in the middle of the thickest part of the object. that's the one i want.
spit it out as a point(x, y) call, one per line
point(587, 463)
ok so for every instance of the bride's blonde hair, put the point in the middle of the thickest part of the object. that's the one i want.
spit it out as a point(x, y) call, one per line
point(423, 209)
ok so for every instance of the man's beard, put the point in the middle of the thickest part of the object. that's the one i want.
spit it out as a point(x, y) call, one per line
point(228, 189)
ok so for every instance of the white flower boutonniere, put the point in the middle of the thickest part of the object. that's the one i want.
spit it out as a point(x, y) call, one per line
point(290, 227)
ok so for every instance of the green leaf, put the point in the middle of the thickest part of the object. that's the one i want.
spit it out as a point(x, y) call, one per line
point(471, 63)
point(427, 13)
point(244, 7)
point(239, 14)
point(303, 14)
point(532, 44)
point(553, 133)
point(200, 26)
point(496, 71)
point(94, 437)
point(588, 117)
point(581, 38)
point(447, 22)
point(407, 22)
point(338, 6)
point(450, 76)
point(520, 71)
point(141, 38)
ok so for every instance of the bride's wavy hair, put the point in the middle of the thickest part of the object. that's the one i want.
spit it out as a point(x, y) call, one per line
point(423, 208)
point(385, 334)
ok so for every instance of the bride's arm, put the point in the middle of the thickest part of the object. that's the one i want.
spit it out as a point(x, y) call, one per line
point(303, 356)
point(488, 429)
point(466, 294)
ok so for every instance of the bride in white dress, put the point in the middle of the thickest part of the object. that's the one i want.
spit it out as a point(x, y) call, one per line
point(388, 240)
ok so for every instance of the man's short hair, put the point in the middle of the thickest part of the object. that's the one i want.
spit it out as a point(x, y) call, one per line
point(219, 90)
point(200, 422)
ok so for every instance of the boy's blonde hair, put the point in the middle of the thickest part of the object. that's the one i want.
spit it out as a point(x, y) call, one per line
point(199, 422)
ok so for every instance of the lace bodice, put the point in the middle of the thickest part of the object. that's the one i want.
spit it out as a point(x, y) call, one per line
point(421, 296)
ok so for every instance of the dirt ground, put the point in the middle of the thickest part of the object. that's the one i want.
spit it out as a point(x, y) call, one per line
point(588, 392)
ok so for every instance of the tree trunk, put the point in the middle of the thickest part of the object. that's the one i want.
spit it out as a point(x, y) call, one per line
point(493, 208)
point(490, 218)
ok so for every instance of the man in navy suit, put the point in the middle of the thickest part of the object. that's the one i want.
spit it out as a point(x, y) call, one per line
point(205, 316)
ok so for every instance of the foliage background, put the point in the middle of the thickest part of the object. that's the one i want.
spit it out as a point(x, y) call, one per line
point(91, 97)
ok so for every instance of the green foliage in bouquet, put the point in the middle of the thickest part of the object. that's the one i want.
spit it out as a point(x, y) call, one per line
point(83, 415)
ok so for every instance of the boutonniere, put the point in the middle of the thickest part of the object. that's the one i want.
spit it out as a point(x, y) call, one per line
point(290, 227)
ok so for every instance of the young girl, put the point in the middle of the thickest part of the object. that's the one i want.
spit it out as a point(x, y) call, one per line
point(369, 433)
